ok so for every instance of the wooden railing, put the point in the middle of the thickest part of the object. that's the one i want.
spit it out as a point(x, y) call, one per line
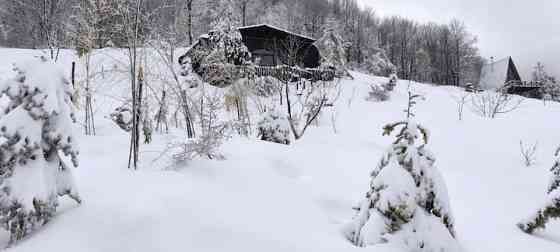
point(283, 73)
point(524, 84)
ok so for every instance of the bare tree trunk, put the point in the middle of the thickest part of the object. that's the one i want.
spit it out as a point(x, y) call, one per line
point(189, 21)
point(244, 12)
point(187, 114)
point(132, 30)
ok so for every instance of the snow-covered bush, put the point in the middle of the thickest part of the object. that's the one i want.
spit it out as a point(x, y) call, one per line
point(393, 80)
point(122, 116)
point(551, 207)
point(34, 131)
point(407, 202)
point(382, 93)
point(213, 131)
point(273, 127)
point(147, 126)
point(378, 94)
point(217, 54)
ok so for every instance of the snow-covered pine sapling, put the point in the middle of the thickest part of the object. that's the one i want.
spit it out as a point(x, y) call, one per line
point(122, 116)
point(274, 127)
point(378, 94)
point(551, 208)
point(213, 132)
point(393, 79)
point(34, 131)
point(407, 202)
point(147, 124)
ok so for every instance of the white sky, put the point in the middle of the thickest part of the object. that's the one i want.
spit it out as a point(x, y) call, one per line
point(527, 30)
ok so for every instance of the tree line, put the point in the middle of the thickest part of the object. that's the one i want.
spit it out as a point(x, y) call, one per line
point(445, 54)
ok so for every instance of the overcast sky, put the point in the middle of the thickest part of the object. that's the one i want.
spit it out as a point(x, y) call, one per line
point(527, 30)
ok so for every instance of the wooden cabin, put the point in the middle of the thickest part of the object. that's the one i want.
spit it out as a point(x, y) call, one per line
point(503, 75)
point(275, 52)
point(272, 46)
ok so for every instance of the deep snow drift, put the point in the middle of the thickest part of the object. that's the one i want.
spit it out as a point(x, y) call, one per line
point(271, 197)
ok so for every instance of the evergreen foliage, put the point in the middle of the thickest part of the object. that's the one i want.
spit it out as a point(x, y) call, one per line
point(378, 94)
point(393, 80)
point(551, 208)
point(35, 130)
point(122, 116)
point(216, 61)
point(407, 201)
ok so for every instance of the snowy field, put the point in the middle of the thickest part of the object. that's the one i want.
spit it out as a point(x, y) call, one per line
point(268, 197)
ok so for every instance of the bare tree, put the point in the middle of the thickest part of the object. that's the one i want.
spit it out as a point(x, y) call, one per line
point(243, 4)
point(304, 108)
point(189, 9)
point(461, 101)
point(492, 104)
point(291, 50)
point(528, 153)
point(131, 15)
point(89, 16)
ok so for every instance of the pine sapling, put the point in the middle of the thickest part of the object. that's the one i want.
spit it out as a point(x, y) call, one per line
point(551, 208)
point(407, 201)
point(35, 131)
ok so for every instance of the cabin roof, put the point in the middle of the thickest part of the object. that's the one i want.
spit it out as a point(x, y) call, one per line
point(266, 28)
point(495, 75)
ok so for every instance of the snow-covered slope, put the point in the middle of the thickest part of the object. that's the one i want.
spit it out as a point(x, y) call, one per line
point(268, 197)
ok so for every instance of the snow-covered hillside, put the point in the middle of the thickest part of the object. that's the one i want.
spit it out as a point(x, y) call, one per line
point(270, 197)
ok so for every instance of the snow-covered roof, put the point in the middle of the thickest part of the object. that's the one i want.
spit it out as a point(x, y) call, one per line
point(494, 75)
point(275, 28)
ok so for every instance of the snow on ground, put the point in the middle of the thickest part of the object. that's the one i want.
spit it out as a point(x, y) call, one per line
point(269, 197)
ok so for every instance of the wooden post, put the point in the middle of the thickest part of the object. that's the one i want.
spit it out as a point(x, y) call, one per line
point(73, 74)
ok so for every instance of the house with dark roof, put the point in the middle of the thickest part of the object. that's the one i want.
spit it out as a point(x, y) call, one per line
point(503, 75)
point(274, 52)
point(273, 46)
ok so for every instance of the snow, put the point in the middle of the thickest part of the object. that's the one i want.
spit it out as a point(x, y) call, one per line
point(270, 197)
point(401, 189)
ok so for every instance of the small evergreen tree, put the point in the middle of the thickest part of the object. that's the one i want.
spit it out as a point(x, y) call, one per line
point(393, 80)
point(551, 208)
point(378, 93)
point(35, 130)
point(407, 202)
point(122, 116)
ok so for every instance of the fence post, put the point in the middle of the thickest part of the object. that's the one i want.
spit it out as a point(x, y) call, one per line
point(73, 74)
